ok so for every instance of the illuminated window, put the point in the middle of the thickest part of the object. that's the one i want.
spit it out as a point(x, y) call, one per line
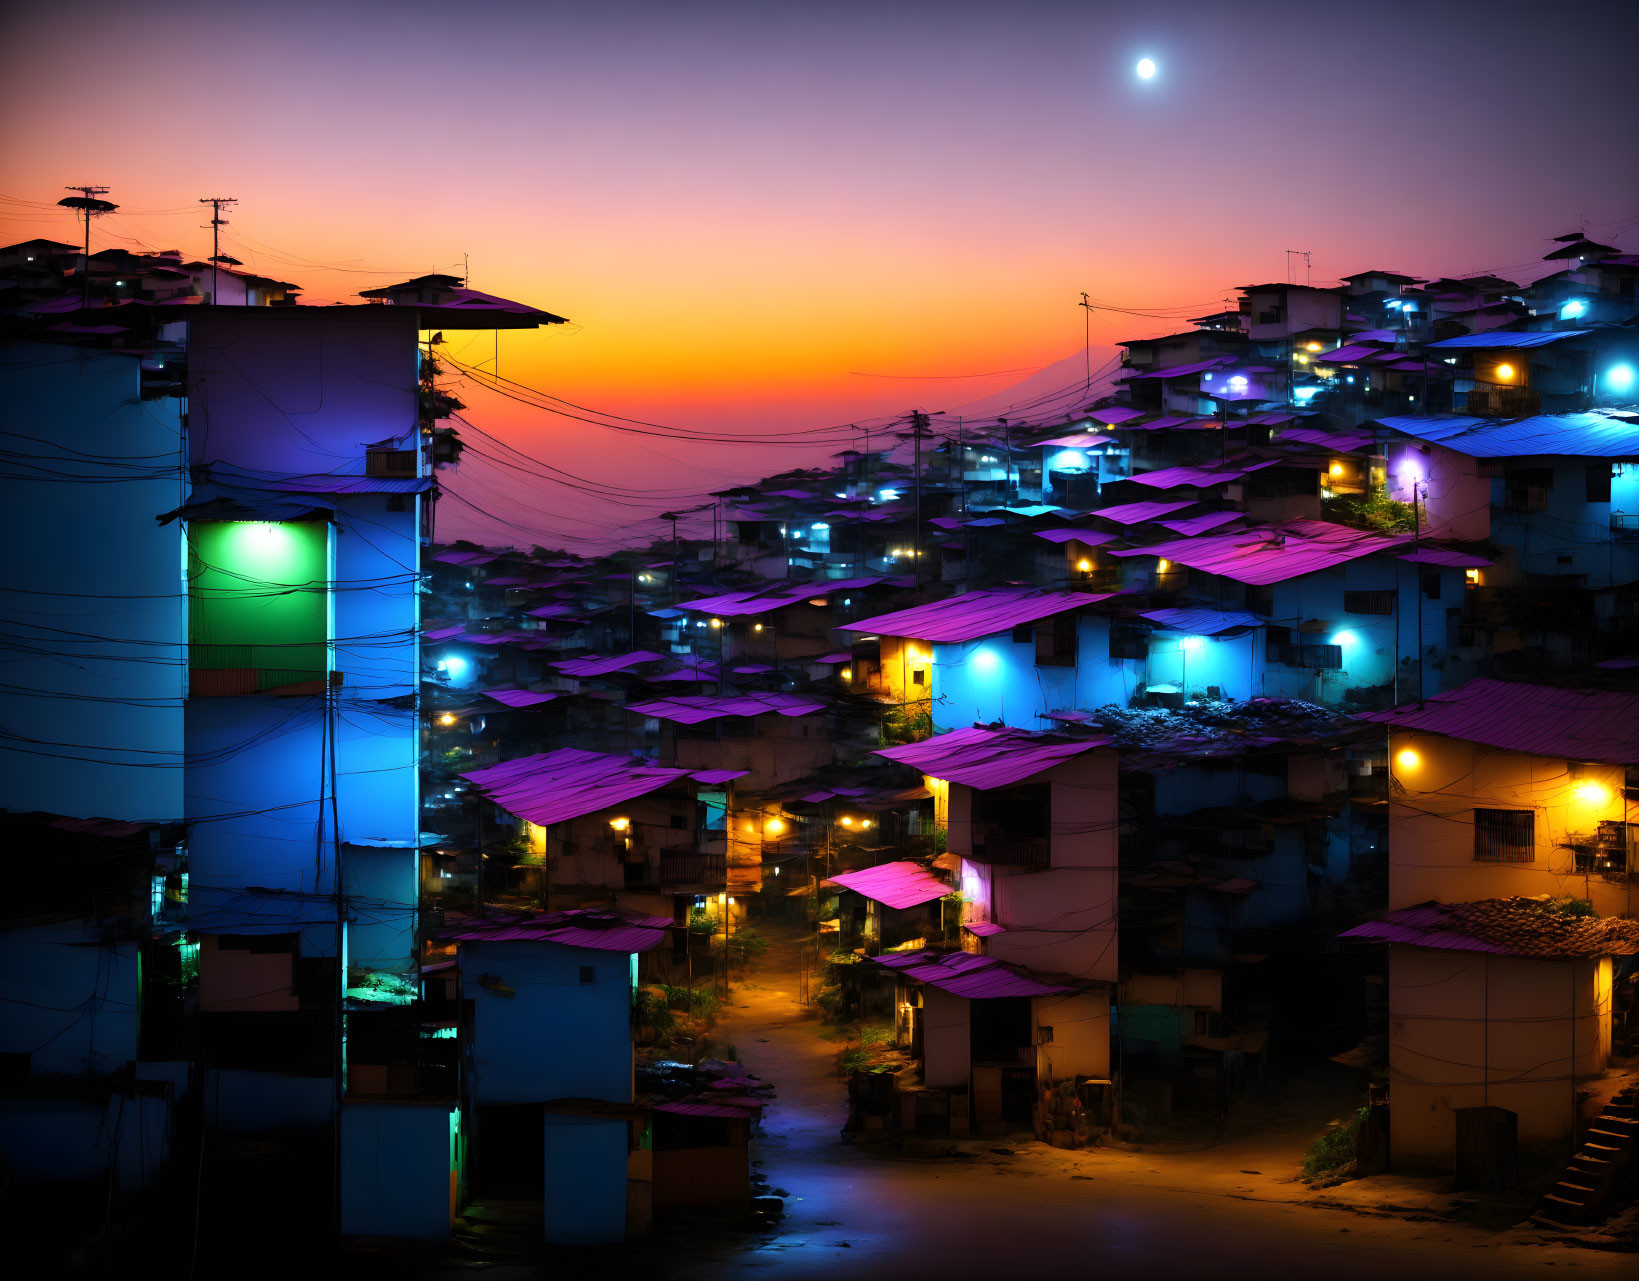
point(1505, 836)
point(258, 606)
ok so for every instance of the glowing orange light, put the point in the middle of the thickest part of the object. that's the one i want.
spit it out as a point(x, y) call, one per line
point(447, 718)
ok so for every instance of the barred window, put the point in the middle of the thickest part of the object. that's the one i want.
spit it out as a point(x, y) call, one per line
point(1368, 602)
point(1505, 836)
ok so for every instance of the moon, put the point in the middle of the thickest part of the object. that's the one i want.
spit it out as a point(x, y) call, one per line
point(1146, 68)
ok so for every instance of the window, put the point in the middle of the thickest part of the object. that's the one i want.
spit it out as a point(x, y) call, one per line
point(1056, 642)
point(258, 607)
point(679, 821)
point(1505, 836)
point(1599, 483)
point(1260, 600)
point(1431, 584)
point(1024, 633)
point(1368, 602)
point(1127, 641)
point(588, 975)
point(919, 676)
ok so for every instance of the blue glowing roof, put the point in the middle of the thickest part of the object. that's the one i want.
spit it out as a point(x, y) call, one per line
point(1586, 435)
point(1509, 338)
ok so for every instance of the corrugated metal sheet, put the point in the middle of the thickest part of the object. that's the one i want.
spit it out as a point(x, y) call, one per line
point(1504, 926)
point(1546, 720)
point(692, 709)
point(550, 787)
point(1175, 422)
point(601, 665)
point(1342, 441)
point(1274, 553)
point(990, 758)
point(1445, 556)
point(983, 929)
point(1506, 338)
point(1115, 414)
point(1092, 537)
point(1200, 477)
point(724, 1110)
point(973, 614)
point(1134, 513)
point(896, 885)
point(443, 633)
point(1190, 526)
point(1202, 622)
point(1583, 435)
point(592, 928)
point(1182, 371)
point(975, 978)
point(115, 828)
point(1343, 355)
point(773, 596)
point(520, 697)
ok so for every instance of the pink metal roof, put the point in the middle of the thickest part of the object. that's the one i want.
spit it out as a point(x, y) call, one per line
point(466, 558)
point(896, 885)
point(1200, 477)
point(773, 596)
point(973, 614)
point(594, 928)
point(1086, 438)
point(692, 709)
point(520, 697)
point(551, 787)
point(1445, 556)
point(603, 665)
point(1573, 724)
point(1115, 414)
point(983, 929)
point(1342, 355)
point(712, 777)
point(832, 659)
point(1507, 927)
point(1274, 553)
point(1190, 526)
point(443, 633)
point(1133, 513)
point(1092, 537)
point(990, 758)
point(963, 974)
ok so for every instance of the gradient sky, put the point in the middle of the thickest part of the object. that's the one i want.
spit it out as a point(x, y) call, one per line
point(766, 215)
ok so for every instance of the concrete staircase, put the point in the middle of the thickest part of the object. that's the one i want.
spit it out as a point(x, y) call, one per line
point(1588, 1190)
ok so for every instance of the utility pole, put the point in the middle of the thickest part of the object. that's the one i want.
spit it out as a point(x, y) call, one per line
point(1007, 474)
point(919, 429)
point(1087, 339)
point(90, 204)
point(217, 204)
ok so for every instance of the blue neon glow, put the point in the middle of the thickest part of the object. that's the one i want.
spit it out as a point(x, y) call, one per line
point(1571, 310)
point(1069, 460)
point(985, 660)
point(1237, 383)
point(1345, 638)
point(887, 495)
point(1304, 393)
point(1619, 378)
point(455, 667)
point(1192, 643)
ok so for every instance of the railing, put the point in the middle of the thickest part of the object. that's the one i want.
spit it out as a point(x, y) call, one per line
point(1624, 527)
point(1328, 657)
point(693, 868)
point(1012, 851)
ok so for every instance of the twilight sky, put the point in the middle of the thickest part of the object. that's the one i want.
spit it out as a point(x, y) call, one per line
point(767, 216)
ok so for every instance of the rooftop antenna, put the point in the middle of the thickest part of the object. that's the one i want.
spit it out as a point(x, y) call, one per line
point(1290, 273)
point(1087, 340)
point(89, 204)
point(217, 204)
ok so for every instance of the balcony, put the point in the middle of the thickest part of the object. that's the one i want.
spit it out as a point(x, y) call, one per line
point(1504, 402)
point(691, 867)
point(1624, 528)
point(1012, 851)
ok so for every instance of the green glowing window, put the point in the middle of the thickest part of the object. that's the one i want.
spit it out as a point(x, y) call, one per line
point(258, 597)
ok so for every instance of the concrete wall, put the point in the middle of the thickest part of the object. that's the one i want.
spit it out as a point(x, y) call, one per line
point(1081, 1034)
point(1469, 1029)
point(95, 670)
point(947, 1045)
point(557, 1037)
point(398, 1169)
point(585, 1179)
point(996, 678)
point(71, 999)
point(1431, 822)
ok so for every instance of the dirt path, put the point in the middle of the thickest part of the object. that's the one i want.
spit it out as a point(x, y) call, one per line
point(866, 1214)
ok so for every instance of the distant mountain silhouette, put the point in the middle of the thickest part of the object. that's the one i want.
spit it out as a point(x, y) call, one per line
point(1050, 393)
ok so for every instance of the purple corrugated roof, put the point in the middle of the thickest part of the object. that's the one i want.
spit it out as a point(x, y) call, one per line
point(1092, 537)
point(773, 596)
point(963, 974)
point(983, 929)
point(1343, 355)
point(1546, 720)
point(1190, 526)
point(714, 776)
point(594, 928)
point(601, 665)
point(553, 786)
point(1115, 414)
point(1620, 664)
point(833, 658)
point(443, 633)
point(897, 885)
point(1445, 556)
point(973, 614)
point(1272, 554)
point(1170, 422)
point(1342, 441)
point(990, 758)
point(1200, 477)
point(466, 558)
point(1202, 622)
point(723, 1109)
point(1180, 371)
point(1579, 435)
point(1086, 438)
point(692, 709)
point(1134, 513)
point(519, 697)
point(1504, 926)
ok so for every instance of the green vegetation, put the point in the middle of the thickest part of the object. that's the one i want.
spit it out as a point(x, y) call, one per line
point(1333, 1152)
point(908, 724)
point(651, 1008)
point(873, 1050)
point(745, 945)
point(702, 922)
point(701, 1002)
point(1375, 511)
